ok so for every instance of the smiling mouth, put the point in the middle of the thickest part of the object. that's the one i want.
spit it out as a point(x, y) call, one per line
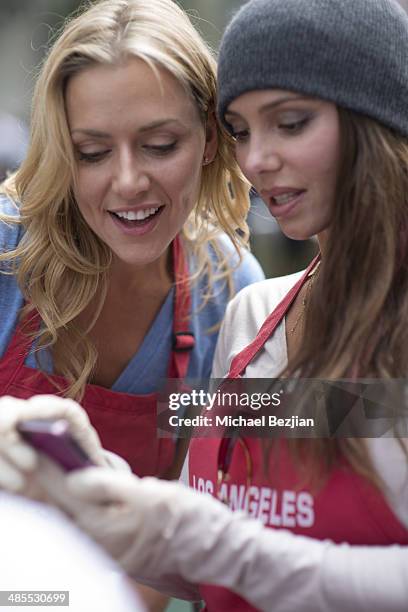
point(136, 218)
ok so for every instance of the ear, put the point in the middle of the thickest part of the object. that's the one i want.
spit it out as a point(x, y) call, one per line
point(211, 139)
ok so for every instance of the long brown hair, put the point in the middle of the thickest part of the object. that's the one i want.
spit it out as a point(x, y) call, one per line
point(356, 323)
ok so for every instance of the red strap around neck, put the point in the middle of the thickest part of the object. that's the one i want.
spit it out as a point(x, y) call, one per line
point(182, 338)
point(244, 358)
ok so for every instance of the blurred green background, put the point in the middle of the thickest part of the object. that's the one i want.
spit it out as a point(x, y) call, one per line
point(26, 25)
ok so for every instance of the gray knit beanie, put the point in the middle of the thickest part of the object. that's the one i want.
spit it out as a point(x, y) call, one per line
point(351, 52)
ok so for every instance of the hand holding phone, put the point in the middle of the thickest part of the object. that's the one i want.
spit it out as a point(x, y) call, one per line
point(53, 438)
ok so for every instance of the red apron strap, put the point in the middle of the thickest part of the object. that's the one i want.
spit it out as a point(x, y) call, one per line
point(183, 338)
point(242, 359)
point(22, 339)
point(20, 344)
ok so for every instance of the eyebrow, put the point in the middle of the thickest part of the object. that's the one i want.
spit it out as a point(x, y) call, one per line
point(270, 105)
point(146, 128)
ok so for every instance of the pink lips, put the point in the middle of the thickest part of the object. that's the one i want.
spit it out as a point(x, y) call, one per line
point(280, 211)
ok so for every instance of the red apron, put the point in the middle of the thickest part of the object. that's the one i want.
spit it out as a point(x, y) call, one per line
point(126, 423)
point(347, 508)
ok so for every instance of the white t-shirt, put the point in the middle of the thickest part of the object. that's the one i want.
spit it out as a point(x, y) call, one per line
point(244, 317)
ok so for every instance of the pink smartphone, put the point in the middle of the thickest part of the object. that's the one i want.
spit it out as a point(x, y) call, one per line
point(54, 440)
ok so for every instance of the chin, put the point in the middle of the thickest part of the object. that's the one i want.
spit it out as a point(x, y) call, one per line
point(140, 257)
point(297, 234)
point(302, 231)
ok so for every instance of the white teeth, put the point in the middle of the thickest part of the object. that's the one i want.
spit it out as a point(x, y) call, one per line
point(138, 215)
point(285, 198)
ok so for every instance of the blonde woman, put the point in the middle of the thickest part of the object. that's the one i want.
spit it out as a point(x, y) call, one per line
point(123, 233)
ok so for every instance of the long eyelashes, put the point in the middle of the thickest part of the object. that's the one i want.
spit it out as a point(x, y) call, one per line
point(92, 158)
point(294, 126)
point(290, 128)
point(161, 149)
point(156, 150)
point(240, 136)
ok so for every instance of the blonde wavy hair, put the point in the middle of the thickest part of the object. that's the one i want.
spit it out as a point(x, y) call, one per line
point(61, 265)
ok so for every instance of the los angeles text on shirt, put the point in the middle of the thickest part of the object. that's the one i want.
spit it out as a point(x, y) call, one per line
point(272, 507)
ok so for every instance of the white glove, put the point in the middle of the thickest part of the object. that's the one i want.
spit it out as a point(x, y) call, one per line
point(159, 530)
point(18, 459)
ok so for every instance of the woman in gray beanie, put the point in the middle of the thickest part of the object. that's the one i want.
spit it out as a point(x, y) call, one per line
point(315, 94)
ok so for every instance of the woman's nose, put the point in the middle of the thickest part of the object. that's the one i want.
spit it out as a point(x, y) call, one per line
point(263, 156)
point(131, 177)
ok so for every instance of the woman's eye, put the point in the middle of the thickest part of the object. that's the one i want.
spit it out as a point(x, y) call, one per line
point(163, 149)
point(293, 127)
point(240, 135)
point(92, 158)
